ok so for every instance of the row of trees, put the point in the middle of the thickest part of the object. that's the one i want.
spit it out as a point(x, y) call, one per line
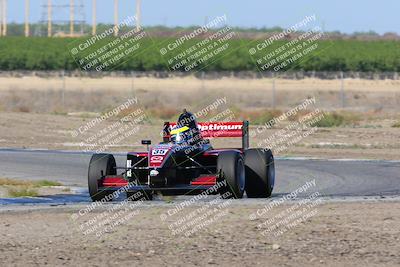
point(40, 29)
point(39, 53)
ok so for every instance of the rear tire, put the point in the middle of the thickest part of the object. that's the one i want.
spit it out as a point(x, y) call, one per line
point(260, 173)
point(100, 165)
point(230, 166)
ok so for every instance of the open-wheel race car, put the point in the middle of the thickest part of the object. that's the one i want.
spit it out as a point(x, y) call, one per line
point(185, 163)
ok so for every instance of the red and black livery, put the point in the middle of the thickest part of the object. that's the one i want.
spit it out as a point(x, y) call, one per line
point(189, 168)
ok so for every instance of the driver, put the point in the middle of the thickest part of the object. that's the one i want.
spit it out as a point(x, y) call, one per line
point(188, 125)
point(187, 119)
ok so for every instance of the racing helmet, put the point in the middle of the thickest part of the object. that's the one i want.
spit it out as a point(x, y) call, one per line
point(180, 135)
point(187, 119)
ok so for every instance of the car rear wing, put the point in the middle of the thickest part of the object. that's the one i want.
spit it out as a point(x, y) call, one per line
point(216, 130)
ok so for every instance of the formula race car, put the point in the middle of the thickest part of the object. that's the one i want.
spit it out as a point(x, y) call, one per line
point(186, 163)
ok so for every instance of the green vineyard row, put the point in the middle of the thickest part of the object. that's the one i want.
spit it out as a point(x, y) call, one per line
point(39, 53)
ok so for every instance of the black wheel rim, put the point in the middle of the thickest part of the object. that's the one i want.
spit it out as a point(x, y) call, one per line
point(271, 173)
point(241, 175)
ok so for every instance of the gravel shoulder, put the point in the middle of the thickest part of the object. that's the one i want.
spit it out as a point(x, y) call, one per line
point(339, 234)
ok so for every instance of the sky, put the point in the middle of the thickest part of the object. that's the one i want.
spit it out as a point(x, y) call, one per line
point(347, 16)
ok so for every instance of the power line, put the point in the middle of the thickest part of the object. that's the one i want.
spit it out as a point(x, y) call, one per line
point(62, 25)
point(58, 27)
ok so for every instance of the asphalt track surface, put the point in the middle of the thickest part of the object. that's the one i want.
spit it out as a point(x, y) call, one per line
point(333, 178)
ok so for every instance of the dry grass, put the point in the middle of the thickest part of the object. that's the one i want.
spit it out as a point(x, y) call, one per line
point(336, 119)
point(14, 182)
point(164, 113)
point(17, 182)
point(258, 116)
point(163, 96)
point(21, 188)
point(22, 192)
point(374, 129)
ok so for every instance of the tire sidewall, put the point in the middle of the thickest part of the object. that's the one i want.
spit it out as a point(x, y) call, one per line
point(260, 172)
point(230, 165)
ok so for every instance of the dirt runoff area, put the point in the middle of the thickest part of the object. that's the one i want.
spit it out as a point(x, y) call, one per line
point(337, 234)
point(371, 140)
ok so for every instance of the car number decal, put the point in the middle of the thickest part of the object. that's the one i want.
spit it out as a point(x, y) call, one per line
point(159, 152)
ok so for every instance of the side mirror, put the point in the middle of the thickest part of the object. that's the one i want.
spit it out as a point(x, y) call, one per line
point(147, 143)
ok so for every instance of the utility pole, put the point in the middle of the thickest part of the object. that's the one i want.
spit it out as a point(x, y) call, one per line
point(49, 18)
point(1, 17)
point(94, 17)
point(26, 18)
point(71, 18)
point(138, 14)
point(115, 17)
point(4, 17)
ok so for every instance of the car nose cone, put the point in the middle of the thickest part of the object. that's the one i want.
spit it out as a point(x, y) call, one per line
point(154, 173)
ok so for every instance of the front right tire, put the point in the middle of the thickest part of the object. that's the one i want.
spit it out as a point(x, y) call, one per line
point(230, 166)
point(260, 173)
point(100, 166)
